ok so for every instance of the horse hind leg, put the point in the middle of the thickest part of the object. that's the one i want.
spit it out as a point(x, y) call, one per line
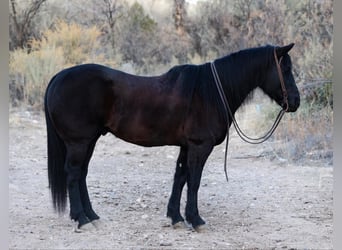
point(75, 158)
point(88, 209)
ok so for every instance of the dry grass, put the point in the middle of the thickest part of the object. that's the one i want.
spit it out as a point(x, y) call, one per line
point(64, 46)
point(305, 136)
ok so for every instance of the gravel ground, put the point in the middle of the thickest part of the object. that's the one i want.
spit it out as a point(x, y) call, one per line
point(265, 205)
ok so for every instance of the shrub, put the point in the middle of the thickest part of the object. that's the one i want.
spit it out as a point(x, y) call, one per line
point(307, 134)
point(30, 73)
point(303, 137)
point(61, 47)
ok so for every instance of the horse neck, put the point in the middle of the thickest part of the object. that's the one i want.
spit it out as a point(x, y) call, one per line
point(240, 75)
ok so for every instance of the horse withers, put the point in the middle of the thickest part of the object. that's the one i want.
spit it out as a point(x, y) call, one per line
point(181, 107)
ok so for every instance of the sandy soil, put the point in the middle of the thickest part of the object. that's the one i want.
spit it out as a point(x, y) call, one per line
point(265, 205)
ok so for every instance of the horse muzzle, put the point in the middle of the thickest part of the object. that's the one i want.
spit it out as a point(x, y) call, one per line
point(292, 104)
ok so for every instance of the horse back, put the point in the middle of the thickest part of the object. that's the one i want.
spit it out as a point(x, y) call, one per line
point(89, 99)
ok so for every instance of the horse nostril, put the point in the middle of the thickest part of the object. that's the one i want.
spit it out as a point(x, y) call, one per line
point(294, 103)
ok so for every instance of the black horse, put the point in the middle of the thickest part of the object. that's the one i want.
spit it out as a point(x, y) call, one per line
point(181, 107)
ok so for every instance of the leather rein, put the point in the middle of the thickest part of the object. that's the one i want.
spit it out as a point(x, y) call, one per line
point(228, 111)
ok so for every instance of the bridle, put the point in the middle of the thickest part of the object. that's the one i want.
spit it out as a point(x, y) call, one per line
point(228, 111)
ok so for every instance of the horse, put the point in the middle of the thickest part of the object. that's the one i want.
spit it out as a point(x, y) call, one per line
point(181, 107)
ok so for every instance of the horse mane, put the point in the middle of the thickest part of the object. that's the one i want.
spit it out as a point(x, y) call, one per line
point(234, 70)
point(196, 79)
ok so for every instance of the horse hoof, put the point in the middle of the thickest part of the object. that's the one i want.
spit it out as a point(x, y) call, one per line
point(200, 228)
point(89, 227)
point(179, 225)
point(97, 223)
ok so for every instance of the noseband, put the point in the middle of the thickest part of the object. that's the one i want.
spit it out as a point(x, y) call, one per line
point(228, 111)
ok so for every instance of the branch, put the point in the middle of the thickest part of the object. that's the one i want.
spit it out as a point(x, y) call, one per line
point(32, 11)
point(14, 16)
point(22, 26)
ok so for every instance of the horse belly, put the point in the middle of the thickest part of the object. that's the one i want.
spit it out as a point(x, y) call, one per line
point(145, 128)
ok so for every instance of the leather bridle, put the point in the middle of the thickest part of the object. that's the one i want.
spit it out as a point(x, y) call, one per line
point(281, 78)
point(228, 111)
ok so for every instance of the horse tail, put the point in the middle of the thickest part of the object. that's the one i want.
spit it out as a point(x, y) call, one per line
point(56, 153)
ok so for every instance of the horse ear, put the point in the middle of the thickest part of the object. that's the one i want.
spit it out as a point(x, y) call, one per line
point(281, 51)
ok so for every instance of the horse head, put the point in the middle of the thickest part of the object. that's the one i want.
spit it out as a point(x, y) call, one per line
point(279, 82)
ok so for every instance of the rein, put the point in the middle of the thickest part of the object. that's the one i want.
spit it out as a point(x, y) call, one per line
point(228, 111)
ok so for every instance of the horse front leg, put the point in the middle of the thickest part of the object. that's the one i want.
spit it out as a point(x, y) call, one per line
point(197, 156)
point(173, 208)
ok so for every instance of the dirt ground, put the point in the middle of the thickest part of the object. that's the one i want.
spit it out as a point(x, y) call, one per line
point(265, 205)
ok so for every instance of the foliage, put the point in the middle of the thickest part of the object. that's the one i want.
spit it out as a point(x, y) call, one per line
point(305, 136)
point(131, 35)
point(21, 21)
point(148, 40)
point(308, 134)
point(66, 45)
point(78, 44)
point(140, 28)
